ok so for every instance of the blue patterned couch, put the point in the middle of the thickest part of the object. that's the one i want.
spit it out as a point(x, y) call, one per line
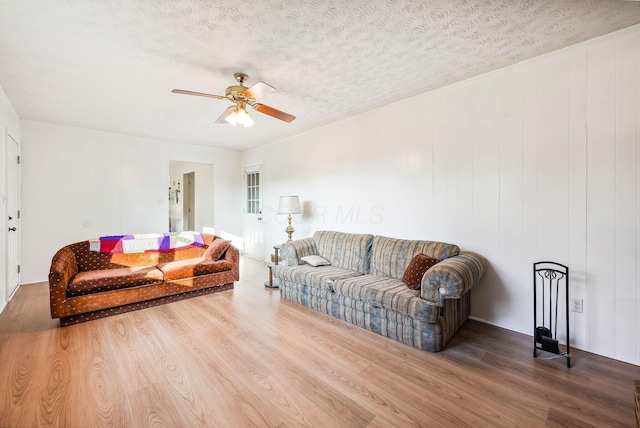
point(363, 285)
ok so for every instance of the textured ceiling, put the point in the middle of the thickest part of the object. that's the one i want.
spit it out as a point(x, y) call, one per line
point(111, 65)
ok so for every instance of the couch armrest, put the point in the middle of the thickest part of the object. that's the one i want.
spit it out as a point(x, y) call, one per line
point(292, 251)
point(63, 268)
point(232, 255)
point(452, 277)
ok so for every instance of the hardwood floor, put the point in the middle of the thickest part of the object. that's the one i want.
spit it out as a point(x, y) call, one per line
point(247, 358)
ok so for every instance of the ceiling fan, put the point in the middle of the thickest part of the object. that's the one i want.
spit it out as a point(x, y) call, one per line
point(241, 97)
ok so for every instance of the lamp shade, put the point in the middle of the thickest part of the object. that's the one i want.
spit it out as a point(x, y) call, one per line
point(289, 205)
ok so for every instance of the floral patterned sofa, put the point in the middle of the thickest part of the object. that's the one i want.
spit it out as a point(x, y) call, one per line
point(85, 285)
point(416, 292)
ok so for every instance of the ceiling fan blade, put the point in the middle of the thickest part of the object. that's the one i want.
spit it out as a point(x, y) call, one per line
point(259, 90)
point(273, 112)
point(225, 114)
point(200, 94)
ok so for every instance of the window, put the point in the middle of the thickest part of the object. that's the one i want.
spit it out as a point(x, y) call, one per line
point(253, 192)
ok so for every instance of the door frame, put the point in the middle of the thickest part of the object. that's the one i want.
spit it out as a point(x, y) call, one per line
point(9, 181)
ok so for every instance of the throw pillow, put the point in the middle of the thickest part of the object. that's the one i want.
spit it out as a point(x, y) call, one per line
point(315, 261)
point(416, 270)
point(216, 249)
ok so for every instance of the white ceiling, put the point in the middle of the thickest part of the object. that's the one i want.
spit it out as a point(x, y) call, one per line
point(111, 64)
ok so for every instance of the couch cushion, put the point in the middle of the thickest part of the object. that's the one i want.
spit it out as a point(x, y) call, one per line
point(216, 249)
point(97, 281)
point(384, 292)
point(390, 256)
point(192, 267)
point(312, 276)
point(416, 269)
point(345, 250)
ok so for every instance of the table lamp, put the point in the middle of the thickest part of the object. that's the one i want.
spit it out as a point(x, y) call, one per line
point(289, 205)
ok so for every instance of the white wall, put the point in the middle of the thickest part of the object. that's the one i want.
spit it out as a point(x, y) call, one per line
point(79, 184)
point(9, 122)
point(534, 162)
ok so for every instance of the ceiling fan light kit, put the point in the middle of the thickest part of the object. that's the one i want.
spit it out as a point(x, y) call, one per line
point(239, 116)
point(242, 96)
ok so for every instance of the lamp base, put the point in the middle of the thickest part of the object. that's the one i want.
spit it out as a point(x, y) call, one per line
point(289, 229)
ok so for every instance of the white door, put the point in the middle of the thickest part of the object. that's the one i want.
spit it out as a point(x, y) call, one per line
point(253, 242)
point(13, 215)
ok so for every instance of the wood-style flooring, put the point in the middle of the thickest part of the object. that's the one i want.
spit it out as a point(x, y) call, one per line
point(246, 358)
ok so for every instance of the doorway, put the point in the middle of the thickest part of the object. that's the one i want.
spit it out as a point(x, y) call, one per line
point(191, 196)
point(253, 241)
point(12, 215)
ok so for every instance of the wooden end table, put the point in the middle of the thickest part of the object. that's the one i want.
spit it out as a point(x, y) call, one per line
point(273, 283)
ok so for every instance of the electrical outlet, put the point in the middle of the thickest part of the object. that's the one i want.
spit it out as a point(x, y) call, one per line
point(576, 305)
